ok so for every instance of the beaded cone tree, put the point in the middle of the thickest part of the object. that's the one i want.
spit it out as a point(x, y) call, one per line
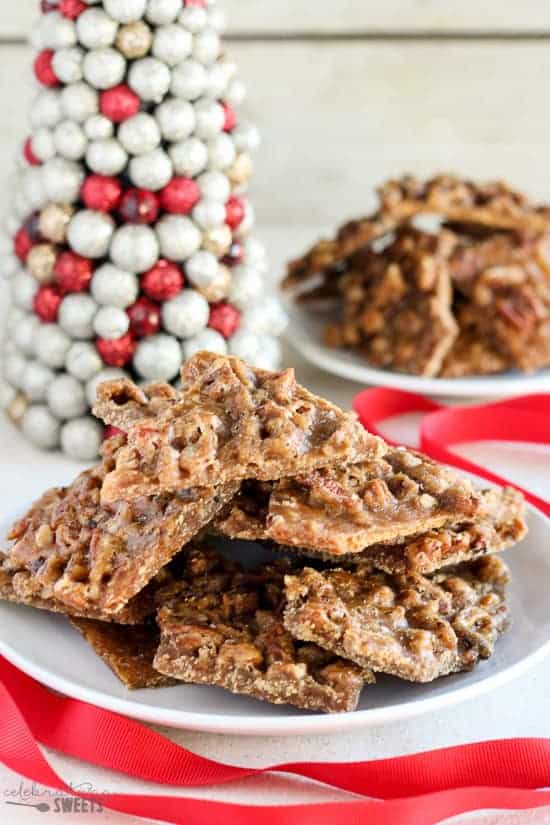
point(130, 245)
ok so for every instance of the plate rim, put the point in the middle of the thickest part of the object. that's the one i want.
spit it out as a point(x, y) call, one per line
point(335, 362)
point(296, 725)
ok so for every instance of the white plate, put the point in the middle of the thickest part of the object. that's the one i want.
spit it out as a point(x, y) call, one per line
point(47, 648)
point(305, 334)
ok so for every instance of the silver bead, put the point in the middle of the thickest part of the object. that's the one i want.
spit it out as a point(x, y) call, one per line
point(161, 12)
point(209, 340)
point(158, 358)
point(81, 438)
point(90, 233)
point(66, 397)
point(111, 323)
point(152, 170)
point(202, 269)
point(176, 119)
point(150, 79)
point(139, 134)
point(107, 374)
point(62, 180)
point(40, 427)
point(79, 102)
point(134, 248)
point(125, 11)
point(95, 29)
point(67, 64)
point(114, 287)
point(83, 361)
point(70, 140)
point(189, 80)
point(178, 237)
point(172, 44)
point(52, 345)
point(106, 157)
point(36, 380)
point(186, 315)
point(189, 157)
point(104, 68)
point(76, 316)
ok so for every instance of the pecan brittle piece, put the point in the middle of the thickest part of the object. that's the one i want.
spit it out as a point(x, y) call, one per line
point(230, 634)
point(232, 422)
point(341, 510)
point(408, 626)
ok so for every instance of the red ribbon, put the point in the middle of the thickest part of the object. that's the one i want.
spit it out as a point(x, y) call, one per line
point(422, 789)
point(524, 419)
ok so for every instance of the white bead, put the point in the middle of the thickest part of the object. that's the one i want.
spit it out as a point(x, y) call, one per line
point(95, 29)
point(152, 170)
point(52, 345)
point(104, 68)
point(79, 102)
point(255, 254)
point(70, 140)
point(246, 345)
point(111, 323)
point(43, 145)
point(176, 119)
point(193, 18)
point(125, 11)
point(266, 318)
point(8, 394)
point(270, 354)
point(106, 157)
point(202, 269)
point(81, 438)
point(90, 233)
point(35, 38)
point(158, 358)
point(83, 361)
point(32, 186)
point(209, 340)
point(236, 93)
point(25, 332)
point(36, 380)
point(66, 397)
point(246, 286)
point(216, 18)
point(150, 79)
point(114, 287)
point(247, 222)
point(209, 214)
point(57, 32)
point(206, 46)
point(189, 157)
point(40, 426)
point(67, 64)
point(45, 109)
point(108, 374)
point(14, 369)
point(10, 266)
point(172, 44)
point(218, 80)
point(189, 80)
point(221, 152)
point(135, 248)
point(99, 127)
point(246, 137)
point(186, 314)
point(215, 186)
point(210, 118)
point(76, 316)
point(161, 12)
point(23, 290)
point(178, 237)
point(62, 180)
point(139, 134)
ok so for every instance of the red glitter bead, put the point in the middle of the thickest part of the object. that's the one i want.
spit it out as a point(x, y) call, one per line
point(29, 155)
point(72, 273)
point(197, 4)
point(234, 212)
point(235, 256)
point(119, 103)
point(225, 319)
point(180, 196)
point(22, 244)
point(139, 206)
point(49, 5)
point(230, 118)
point(118, 352)
point(164, 281)
point(111, 431)
point(43, 69)
point(46, 303)
point(72, 8)
point(101, 192)
point(144, 317)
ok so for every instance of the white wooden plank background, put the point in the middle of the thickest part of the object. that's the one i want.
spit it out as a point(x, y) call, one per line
point(350, 16)
point(340, 117)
